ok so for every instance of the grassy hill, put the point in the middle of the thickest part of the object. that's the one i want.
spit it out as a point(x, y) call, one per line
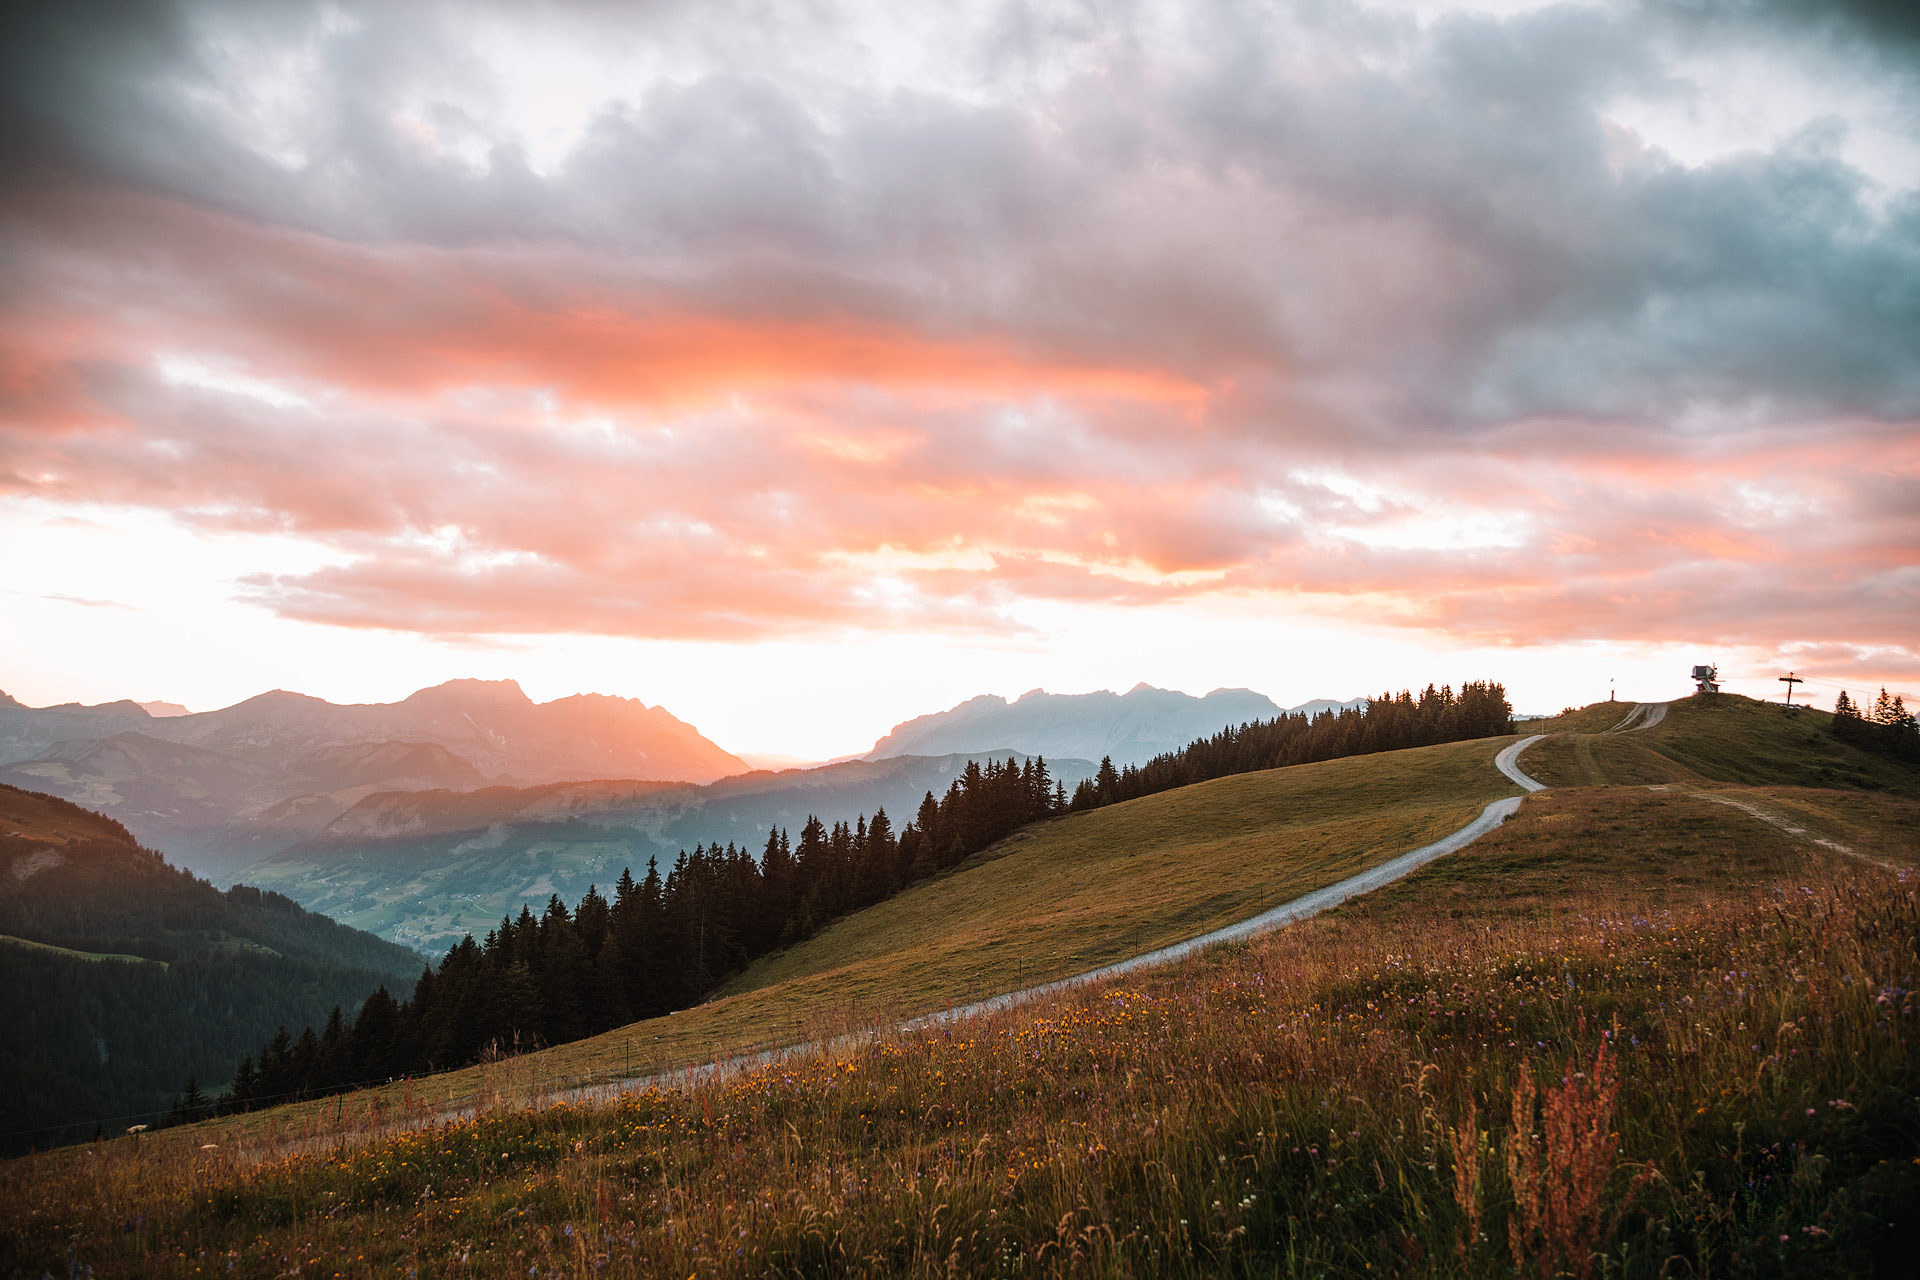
point(1708, 976)
point(1720, 737)
point(52, 822)
point(1063, 897)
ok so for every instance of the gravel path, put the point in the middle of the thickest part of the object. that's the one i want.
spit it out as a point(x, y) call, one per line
point(1508, 762)
point(1644, 715)
point(1301, 908)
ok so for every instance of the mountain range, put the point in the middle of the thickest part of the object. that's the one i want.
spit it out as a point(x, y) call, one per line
point(1130, 728)
point(219, 789)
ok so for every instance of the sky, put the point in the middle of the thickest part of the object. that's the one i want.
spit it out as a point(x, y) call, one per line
point(806, 367)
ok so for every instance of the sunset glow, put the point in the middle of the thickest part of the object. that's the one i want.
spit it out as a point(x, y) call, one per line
point(806, 371)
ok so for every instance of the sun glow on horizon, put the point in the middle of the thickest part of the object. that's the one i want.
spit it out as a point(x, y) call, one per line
point(806, 374)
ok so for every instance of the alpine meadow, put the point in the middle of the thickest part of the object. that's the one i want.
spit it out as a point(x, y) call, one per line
point(1265, 638)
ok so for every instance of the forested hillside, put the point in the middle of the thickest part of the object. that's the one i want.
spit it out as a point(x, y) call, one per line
point(121, 976)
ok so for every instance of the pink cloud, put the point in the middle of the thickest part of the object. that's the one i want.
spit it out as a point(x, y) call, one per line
point(535, 439)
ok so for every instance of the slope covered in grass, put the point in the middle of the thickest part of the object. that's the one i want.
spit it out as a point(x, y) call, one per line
point(1069, 895)
point(1710, 738)
point(1723, 1010)
point(1096, 887)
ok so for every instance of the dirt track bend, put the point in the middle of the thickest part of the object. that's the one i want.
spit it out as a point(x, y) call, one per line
point(1292, 912)
point(1644, 715)
point(1301, 908)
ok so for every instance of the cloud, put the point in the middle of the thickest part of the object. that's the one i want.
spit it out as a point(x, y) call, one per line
point(85, 603)
point(757, 333)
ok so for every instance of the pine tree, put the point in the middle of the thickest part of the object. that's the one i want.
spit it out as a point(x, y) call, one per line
point(306, 1064)
point(190, 1105)
point(335, 1064)
point(276, 1067)
point(246, 1083)
point(513, 1010)
point(561, 974)
point(608, 1007)
point(591, 920)
point(879, 860)
point(373, 1034)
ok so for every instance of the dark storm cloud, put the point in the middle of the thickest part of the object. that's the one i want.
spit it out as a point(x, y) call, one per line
point(1449, 220)
point(1888, 30)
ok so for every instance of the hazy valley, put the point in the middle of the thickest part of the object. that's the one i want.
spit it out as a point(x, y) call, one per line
point(423, 868)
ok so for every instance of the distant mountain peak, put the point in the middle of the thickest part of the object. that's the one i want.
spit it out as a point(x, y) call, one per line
point(600, 699)
point(1319, 705)
point(1132, 727)
point(469, 690)
point(221, 785)
point(272, 696)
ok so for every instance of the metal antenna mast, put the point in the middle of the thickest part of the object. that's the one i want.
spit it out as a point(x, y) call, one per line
point(1790, 680)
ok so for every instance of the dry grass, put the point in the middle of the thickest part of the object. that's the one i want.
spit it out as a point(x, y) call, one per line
point(1633, 841)
point(1079, 892)
point(1067, 896)
point(1300, 1107)
point(1719, 737)
point(1394, 1087)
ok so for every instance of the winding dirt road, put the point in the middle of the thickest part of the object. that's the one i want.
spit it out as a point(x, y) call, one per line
point(1292, 912)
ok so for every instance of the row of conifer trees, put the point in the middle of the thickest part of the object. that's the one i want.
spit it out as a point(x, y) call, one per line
point(1387, 723)
point(662, 942)
point(1886, 728)
point(659, 944)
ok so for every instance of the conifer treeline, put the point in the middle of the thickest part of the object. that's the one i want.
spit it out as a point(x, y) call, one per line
point(662, 943)
point(1387, 723)
point(1886, 728)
